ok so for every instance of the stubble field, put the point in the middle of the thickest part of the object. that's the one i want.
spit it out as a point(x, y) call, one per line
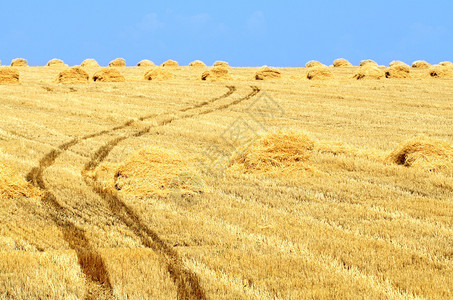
point(346, 224)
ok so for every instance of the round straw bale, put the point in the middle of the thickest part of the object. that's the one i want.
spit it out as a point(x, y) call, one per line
point(275, 151)
point(314, 63)
point(368, 62)
point(369, 71)
point(268, 73)
point(216, 74)
point(220, 63)
point(421, 64)
point(170, 63)
point(197, 64)
point(19, 62)
point(9, 75)
point(145, 63)
point(423, 152)
point(73, 75)
point(118, 62)
point(89, 63)
point(341, 62)
point(438, 71)
point(159, 74)
point(56, 63)
point(319, 73)
point(398, 71)
point(157, 172)
point(446, 63)
point(13, 186)
point(108, 75)
point(397, 62)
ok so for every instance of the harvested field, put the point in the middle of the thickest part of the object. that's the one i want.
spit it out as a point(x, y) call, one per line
point(233, 188)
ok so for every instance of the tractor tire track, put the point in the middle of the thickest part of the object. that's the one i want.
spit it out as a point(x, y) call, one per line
point(188, 286)
point(90, 261)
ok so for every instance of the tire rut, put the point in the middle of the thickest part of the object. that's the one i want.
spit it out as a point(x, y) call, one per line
point(90, 261)
point(188, 286)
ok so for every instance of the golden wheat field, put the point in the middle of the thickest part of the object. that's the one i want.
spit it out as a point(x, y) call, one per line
point(228, 188)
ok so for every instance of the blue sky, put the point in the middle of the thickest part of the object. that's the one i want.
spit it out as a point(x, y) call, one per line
point(244, 33)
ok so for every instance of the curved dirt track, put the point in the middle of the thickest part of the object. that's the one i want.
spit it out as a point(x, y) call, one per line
point(91, 262)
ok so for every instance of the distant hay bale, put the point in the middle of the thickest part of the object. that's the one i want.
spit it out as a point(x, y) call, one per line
point(446, 64)
point(159, 74)
point(397, 62)
point(197, 64)
point(268, 73)
point(108, 75)
point(89, 63)
point(118, 62)
point(12, 185)
point(438, 71)
point(341, 62)
point(145, 63)
point(19, 62)
point(9, 75)
point(368, 62)
point(369, 71)
point(319, 73)
point(398, 71)
point(275, 151)
point(220, 63)
point(156, 172)
point(73, 75)
point(425, 153)
point(421, 64)
point(170, 63)
point(314, 63)
point(216, 74)
point(56, 63)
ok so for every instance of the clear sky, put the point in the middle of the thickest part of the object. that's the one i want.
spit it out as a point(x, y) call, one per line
point(244, 33)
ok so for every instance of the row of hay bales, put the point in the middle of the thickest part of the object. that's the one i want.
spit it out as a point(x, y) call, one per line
point(156, 172)
point(118, 62)
point(77, 74)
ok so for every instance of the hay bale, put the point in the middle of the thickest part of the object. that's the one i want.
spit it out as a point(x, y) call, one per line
point(438, 71)
point(369, 71)
point(56, 63)
point(89, 63)
point(397, 62)
point(216, 74)
point(145, 63)
point(398, 71)
point(421, 64)
point(319, 73)
point(220, 63)
point(423, 152)
point(368, 62)
point(341, 62)
point(108, 75)
point(446, 64)
point(170, 63)
point(118, 62)
point(19, 62)
point(9, 75)
point(156, 172)
point(73, 75)
point(268, 73)
point(13, 186)
point(197, 64)
point(314, 63)
point(274, 152)
point(159, 74)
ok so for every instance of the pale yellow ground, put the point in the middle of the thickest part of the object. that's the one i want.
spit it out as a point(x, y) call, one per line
point(358, 228)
